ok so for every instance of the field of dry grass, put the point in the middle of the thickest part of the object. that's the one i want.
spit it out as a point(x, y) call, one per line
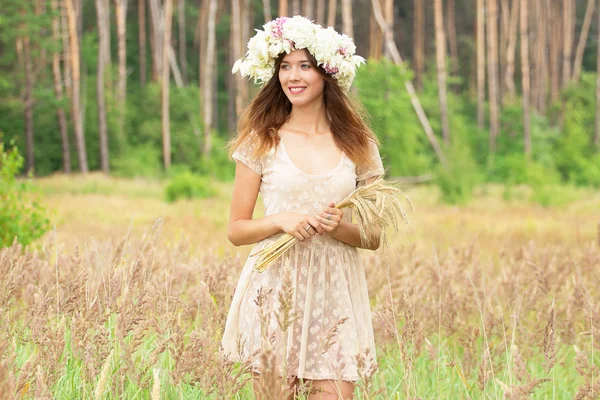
point(492, 300)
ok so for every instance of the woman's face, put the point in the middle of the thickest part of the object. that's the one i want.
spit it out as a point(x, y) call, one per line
point(300, 80)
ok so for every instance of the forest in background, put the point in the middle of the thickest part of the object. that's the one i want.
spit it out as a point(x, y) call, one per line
point(466, 91)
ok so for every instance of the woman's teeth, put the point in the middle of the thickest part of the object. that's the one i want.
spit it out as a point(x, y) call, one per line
point(296, 90)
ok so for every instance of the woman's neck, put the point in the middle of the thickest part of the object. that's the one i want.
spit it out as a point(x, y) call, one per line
point(309, 119)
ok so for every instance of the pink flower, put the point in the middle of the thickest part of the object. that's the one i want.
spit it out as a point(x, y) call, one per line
point(342, 51)
point(278, 26)
point(330, 70)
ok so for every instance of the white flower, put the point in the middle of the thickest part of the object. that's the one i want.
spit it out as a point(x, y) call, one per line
point(333, 52)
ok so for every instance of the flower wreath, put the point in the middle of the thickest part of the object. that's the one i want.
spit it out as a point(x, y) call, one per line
point(334, 52)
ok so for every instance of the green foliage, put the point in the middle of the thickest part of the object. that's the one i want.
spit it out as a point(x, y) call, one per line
point(457, 181)
point(576, 158)
point(21, 216)
point(404, 148)
point(189, 186)
point(142, 161)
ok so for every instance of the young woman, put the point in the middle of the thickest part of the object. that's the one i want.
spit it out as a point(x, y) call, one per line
point(303, 145)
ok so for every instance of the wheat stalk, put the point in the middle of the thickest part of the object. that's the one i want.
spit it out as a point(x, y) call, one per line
point(377, 208)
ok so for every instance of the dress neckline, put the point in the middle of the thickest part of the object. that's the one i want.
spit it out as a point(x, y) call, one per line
point(289, 159)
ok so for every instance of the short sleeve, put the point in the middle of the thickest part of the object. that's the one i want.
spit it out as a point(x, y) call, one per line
point(244, 154)
point(374, 166)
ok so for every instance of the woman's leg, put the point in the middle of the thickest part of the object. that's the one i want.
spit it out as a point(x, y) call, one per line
point(331, 390)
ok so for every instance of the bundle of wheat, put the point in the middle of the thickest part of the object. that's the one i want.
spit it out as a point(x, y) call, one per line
point(377, 208)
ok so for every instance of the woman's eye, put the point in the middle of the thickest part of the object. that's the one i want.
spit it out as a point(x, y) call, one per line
point(305, 66)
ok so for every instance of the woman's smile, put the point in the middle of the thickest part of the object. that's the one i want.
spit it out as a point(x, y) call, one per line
point(297, 89)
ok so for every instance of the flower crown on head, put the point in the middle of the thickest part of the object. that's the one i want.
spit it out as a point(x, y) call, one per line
point(334, 52)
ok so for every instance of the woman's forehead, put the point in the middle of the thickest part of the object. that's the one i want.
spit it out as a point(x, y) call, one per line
point(297, 55)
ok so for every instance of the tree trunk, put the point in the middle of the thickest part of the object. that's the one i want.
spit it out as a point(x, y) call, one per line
point(452, 39)
point(208, 78)
point(182, 40)
point(142, 38)
point(296, 7)
point(555, 42)
point(203, 20)
point(309, 7)
point(480, 63)
point(542, 58)
point(525, 74)
point(75, 80)
point(347, 21)
point(283, 8)
point(389, 20)
point(28, 111)
point(66, 37)
point(493, 72)
point(156, 38)
point(568, 40)
point(375, 38)
point(267, 10)
point(321, 12)
point(440, 51)
point(236, 22)
point(585, 30)
point(58, 92)
point(419, 42)
point(389, 38)
point(102, 18)
point(121, 18)
point(509, 78)
point(332, 13)
point(164, 83)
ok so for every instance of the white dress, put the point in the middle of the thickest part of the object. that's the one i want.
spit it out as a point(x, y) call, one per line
point(327, 276)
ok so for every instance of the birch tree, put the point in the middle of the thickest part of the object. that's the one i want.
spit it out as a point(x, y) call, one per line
point(164, 84)
point(283, 8)
point(75, 83)
point(492, 39)
point(102, 19)
point(525, 74)
point(419, 42)
point(181, 40)
point(480, 63)
point(440, 46)
point(583, 36)
point(121, 18)
point(59, 90)
point(142, 41)
point(347, 21)
point(208, 78)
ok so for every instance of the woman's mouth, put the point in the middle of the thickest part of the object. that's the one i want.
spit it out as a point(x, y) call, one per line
point(297, 89)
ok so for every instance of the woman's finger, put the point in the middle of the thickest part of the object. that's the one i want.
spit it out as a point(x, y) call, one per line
point(316, 225)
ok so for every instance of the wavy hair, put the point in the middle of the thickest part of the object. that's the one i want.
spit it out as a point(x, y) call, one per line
point(270, 109)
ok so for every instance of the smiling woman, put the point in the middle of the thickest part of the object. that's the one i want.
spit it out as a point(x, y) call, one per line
point(303, 145)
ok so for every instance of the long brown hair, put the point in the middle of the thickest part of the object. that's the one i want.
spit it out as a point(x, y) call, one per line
point(270, 109)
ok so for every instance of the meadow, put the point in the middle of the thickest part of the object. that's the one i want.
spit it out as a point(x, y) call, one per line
point(127, 297)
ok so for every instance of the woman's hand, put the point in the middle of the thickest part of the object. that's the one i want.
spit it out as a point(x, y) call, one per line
point(299, 225)
point(330, 218)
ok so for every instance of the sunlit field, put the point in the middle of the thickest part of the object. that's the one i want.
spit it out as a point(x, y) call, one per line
point(127, 298)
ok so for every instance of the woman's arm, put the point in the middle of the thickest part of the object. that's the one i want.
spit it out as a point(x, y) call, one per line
point(242, 229)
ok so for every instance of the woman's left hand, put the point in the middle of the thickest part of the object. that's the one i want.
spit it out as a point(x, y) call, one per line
point(330, 218)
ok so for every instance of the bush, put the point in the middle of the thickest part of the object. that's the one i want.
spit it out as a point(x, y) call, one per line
point(189, 186)
point(457, 181)
point(21, 216)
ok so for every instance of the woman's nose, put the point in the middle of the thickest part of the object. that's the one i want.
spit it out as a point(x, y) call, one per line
point(294, 75)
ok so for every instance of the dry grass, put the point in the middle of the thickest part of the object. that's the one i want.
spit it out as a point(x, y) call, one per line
point(492, 300)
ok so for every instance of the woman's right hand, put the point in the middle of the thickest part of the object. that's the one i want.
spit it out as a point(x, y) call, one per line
point(296, 224)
